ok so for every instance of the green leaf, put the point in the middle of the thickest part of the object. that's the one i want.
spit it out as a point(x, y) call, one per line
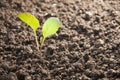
point(30, 20)
point(50, 26)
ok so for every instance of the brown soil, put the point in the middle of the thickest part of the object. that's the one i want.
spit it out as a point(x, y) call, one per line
point(86, 47)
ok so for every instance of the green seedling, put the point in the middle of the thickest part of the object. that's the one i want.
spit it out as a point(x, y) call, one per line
point(49, 28)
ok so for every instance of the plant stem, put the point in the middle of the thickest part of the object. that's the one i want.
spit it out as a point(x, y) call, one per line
point(36, 41)
point(42, 40)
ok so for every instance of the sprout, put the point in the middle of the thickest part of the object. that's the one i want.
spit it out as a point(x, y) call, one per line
point(50, 26)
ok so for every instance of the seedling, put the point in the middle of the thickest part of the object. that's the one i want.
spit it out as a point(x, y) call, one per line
point(49, 28)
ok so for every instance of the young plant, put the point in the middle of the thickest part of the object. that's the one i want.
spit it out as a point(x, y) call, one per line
point(49, 28)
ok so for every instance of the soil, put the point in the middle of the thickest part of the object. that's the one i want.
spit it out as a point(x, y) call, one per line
point(86, 47)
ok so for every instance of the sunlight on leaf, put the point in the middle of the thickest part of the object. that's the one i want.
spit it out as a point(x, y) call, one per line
point(50, 26)
point(30, 20)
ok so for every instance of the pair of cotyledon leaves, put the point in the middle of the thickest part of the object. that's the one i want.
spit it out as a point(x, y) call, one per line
point(49, 28)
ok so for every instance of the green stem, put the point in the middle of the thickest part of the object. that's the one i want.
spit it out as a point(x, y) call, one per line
point(36, 41)
point(42, 40)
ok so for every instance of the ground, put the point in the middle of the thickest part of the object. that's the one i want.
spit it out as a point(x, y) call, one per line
point(86, 47)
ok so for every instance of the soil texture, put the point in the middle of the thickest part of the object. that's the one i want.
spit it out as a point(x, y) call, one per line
point(86, 47)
